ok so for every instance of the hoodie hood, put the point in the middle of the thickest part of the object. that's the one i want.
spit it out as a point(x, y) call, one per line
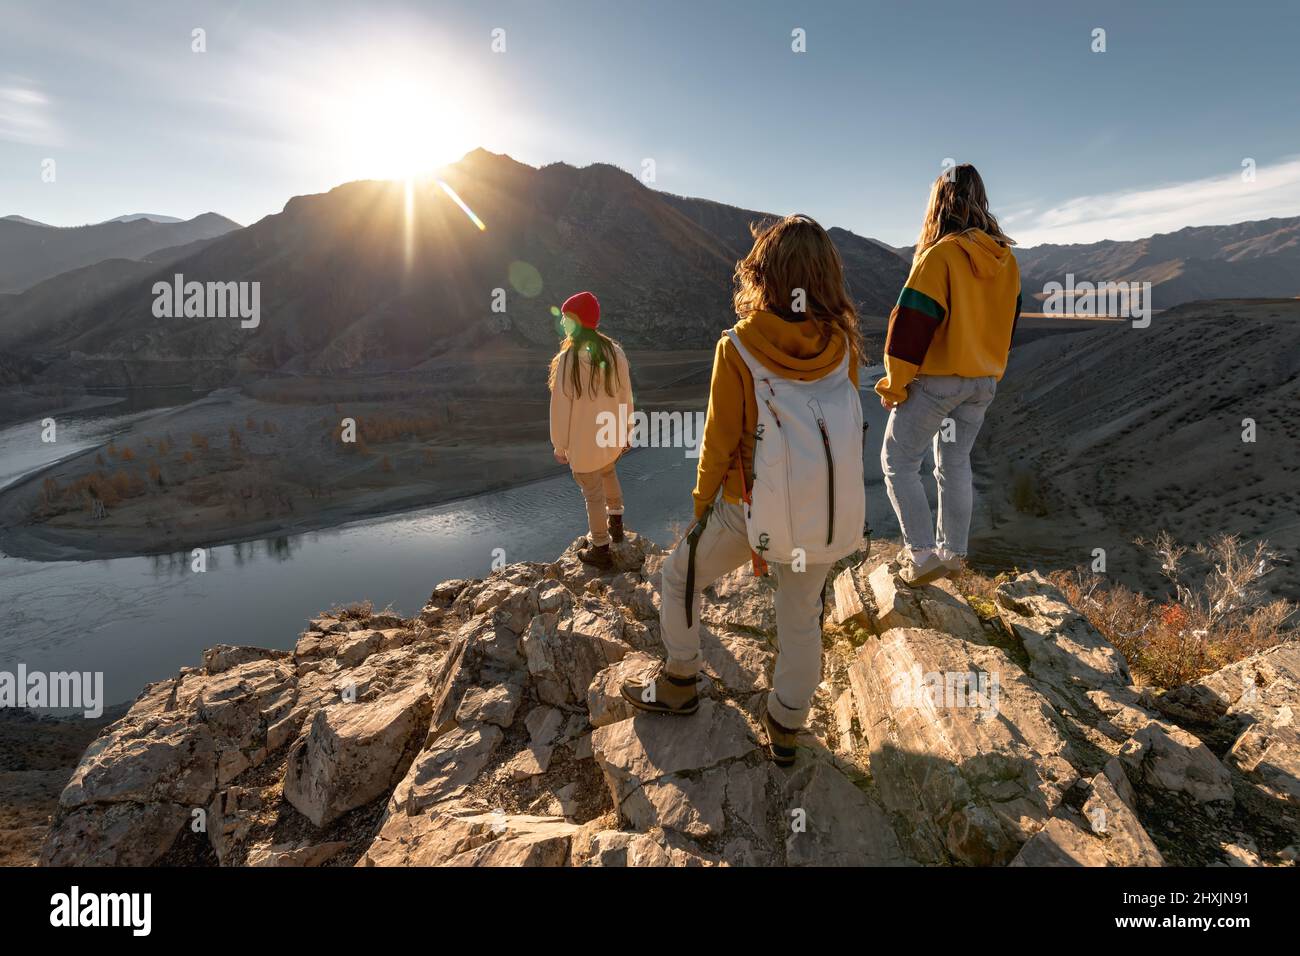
point(988, 257)
point(805, 350)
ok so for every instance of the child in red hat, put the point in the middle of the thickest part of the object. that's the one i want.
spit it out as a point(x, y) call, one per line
point(589, 381)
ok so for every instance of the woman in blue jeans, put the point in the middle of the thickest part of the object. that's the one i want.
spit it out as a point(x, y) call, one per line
point(946, 350)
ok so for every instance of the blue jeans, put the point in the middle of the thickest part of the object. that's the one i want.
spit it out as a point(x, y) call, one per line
point(946, 411)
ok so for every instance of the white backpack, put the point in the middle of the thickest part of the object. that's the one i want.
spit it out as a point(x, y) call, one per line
point(806, 496)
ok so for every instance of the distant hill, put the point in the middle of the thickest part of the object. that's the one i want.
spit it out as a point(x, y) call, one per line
point(24, 220)
point(152, 217)
point(1243, 260)
point(339, 293)
point(31, 251)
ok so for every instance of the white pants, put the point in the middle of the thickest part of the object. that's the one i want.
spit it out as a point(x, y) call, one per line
point(722, 546)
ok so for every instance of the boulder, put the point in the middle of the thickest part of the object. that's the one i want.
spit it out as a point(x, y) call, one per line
point(1169, 758)
point(965, 752)
point(564, 654)
point(1105, 831)
point(1065, 651)
point(354, 753)
point(936, 606)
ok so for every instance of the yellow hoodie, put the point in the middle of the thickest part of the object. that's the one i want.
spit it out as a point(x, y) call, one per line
point(803, 350)
point(955, 316)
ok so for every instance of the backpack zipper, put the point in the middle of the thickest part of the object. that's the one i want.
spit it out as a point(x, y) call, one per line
point(830, 471)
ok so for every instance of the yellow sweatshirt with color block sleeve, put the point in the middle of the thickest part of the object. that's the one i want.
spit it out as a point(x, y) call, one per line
point(955, 315)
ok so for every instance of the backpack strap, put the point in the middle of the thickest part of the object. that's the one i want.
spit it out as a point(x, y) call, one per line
point(757, 562)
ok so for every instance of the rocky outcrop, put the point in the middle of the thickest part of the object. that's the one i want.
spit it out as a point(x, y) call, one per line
point(489, 730)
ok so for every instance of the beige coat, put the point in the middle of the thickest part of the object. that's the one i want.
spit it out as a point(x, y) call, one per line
point(587, 428)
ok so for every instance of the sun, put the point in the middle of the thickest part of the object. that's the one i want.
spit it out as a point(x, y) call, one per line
point(401, 127)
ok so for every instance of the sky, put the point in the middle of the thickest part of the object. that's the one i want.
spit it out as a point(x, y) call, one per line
point(288, 98)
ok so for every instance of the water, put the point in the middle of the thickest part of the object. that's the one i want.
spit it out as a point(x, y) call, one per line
point(139, 619)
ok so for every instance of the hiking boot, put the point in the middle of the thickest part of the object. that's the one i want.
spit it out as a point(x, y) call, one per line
point(597, 556)
point(663, 694)
point(781, 741)
point(616, 528)
point(914, 575)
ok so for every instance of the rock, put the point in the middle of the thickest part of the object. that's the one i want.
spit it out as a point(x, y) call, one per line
point(357, 648)
point(116, 834)
point(1256, 701)
point(964, 750)
point(222, 657)
point(649, 748)
point(1168, 757)
point(286, 854)
point(495, 704)
point(937, 606)
point(741, 602)
point(511, 605)
point(739, 662)
point(354, 753)
point(465, 838)
point(446, 767)
point(605, 703)
point(543, 723)
point(146, 760)
point(831, 821)
point(1105, 832)
point(563, 655)
point(529, 762)
point(1065, 651)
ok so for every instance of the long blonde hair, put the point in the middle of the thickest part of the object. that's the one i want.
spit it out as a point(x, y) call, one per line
point(599, 347)
point(790, 255)
point(958, 203)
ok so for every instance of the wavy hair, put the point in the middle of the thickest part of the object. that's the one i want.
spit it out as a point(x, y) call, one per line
point(958, 203)
point(791, 256)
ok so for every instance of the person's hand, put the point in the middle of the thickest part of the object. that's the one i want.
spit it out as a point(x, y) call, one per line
point(886, 404)
point(561, 457)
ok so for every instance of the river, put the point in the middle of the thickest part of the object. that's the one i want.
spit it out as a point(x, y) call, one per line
point(140, 619)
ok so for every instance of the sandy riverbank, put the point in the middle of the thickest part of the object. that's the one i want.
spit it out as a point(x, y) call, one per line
point(269, 460)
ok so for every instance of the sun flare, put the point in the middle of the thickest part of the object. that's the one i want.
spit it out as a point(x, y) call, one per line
point(401, 127)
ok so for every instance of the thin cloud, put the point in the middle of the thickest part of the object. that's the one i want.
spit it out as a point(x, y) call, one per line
point(1134, 214)
point(25, 114)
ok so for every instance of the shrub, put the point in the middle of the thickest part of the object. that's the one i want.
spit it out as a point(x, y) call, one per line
point(1219, 614)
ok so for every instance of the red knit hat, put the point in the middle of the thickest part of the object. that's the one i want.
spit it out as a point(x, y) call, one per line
point(584, 307)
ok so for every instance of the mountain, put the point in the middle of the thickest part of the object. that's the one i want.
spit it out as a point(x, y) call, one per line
point(31, 252)
point(26, 221)
point(1259, 259)
point(152, 217)
point(349, 283)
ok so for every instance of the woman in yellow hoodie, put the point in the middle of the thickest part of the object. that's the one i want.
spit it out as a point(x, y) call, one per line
point(797, 320)
point(945, 352)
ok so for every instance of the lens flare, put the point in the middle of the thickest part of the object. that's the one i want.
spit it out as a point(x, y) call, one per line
point(464, 208)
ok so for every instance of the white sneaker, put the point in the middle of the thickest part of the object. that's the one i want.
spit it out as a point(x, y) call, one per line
point(919, 573)
point(955, 563)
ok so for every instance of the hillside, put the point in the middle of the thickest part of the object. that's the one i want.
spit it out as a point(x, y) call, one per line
point(1098, 438)
point(31, 251)
point(341, 290)
point(490, 732)
point(1247, 259)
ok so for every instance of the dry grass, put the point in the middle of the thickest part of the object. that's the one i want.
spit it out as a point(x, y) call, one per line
point(1219, 614)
